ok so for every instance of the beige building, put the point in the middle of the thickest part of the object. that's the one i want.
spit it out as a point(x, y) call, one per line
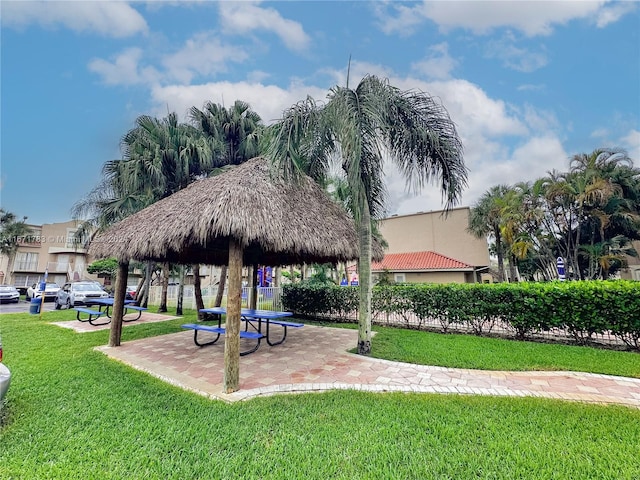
point(51, 247)
point(430, 247)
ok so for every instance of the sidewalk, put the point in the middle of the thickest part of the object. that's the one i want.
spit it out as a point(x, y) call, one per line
point(317, 359)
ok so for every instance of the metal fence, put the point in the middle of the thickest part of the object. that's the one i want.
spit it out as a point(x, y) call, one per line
point(269, 298)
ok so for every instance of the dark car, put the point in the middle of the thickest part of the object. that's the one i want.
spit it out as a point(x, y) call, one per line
point(9, 293)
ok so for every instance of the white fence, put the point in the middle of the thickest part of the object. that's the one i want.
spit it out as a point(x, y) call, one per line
point(269, 298)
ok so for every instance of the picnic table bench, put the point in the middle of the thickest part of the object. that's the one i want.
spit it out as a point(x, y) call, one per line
point(196, 327)
point(135, 308)
point(93, 316)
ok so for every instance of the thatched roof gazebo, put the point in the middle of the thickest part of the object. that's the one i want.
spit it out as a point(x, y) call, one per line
point(243, 216)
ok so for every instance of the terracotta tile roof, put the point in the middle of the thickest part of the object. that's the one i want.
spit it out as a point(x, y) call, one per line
point(415, 261)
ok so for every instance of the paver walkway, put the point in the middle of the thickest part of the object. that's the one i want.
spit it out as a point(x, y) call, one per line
point(82, 327)
point(317, 359)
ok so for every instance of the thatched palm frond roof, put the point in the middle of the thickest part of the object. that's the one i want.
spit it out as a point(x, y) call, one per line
point(278, 223)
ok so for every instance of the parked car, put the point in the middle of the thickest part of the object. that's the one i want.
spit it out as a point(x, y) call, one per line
point(131, 292)
point(5, 377)
point(50, 291)
point(79, 293)
point(9, 293)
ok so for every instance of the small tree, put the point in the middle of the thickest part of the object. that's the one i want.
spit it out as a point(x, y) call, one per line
point(106, 267)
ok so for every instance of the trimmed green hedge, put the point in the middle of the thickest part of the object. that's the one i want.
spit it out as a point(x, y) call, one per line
point(581, 308)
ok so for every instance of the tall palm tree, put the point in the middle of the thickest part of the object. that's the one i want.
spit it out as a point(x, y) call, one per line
point(358, 128)
point(237, 131)
point(485, 219)
point(160, 157)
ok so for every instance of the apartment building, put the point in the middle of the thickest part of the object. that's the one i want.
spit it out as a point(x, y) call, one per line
point(51, 247)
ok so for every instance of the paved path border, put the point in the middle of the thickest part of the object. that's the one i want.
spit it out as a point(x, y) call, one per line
point(315, 359)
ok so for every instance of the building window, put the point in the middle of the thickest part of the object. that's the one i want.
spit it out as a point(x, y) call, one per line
point(399, 278)
point(26, 262)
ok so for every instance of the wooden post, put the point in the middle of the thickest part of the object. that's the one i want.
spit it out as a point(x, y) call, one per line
point(118, 303)
point(231, 381)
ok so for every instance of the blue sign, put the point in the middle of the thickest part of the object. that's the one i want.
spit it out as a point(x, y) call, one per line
point(344, 282)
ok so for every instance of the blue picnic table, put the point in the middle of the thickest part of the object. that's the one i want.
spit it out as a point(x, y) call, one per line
point(108, 303)
point(252, 318)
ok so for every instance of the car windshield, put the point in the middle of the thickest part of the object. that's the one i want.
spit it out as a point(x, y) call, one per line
point(4, 288)
point(86, 287)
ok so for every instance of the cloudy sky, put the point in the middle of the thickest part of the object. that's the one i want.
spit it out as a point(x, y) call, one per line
point(529, 84)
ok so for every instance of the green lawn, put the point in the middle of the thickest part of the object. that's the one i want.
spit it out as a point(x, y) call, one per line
point(73, 413)
point(470, 351)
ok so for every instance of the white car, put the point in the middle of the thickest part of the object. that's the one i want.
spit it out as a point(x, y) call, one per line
point(79, 293)
point(9, 293)
point(50, 291)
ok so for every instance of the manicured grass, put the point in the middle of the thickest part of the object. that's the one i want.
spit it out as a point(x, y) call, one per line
point(469, 351)
point(73, 413)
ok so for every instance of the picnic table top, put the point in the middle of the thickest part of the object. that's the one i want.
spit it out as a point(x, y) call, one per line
point(248, 312)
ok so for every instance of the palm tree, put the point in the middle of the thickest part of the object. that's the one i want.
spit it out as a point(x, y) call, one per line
point(485, 219)
point(160, 157)
point(12, 233)
point(358, 129)
point(237, 131)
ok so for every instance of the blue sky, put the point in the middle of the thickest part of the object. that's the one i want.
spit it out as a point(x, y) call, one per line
point(528, 83)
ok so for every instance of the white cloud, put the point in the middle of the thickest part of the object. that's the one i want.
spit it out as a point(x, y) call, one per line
point(124, 69)
point(530, 87)
point(631, 143)
point(269, 101)
point(437, 65)
point(613, 13)
point(112, 19)
point(246, 17)
point(201, 55)
point(530, 17)
point(514, 57)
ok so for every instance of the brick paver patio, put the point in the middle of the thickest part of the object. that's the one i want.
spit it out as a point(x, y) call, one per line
point(316, 359)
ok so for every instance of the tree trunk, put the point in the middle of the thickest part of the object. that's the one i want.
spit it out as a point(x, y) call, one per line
point(197, 290)
point(165, 287)
point(147, 284)
point(231, 380)
point(180, 291)
point(276, 276)
point(513, 276)
point(496, 234)
point(292, 274)
point(221, 284)
point(364, 309)
point(253, 297)
point(118, 304)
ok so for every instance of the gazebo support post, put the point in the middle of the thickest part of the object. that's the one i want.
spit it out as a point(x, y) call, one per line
point(118, 303)
point(231, 382)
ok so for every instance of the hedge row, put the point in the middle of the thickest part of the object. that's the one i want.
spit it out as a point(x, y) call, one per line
point(581, 308)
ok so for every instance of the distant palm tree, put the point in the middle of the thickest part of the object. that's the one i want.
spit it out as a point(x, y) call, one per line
point(11, 233)
point(358, 128)
point(485, 219)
